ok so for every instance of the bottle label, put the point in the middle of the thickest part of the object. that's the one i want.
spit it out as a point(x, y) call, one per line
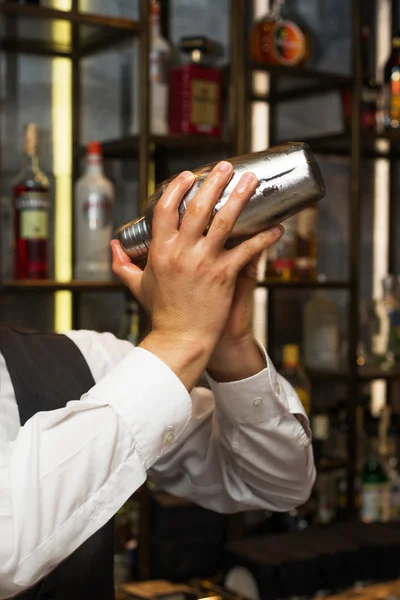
point(305, 398)
point(375, 505)
point(34, 210)
point(204, 108)
point(289, 43)
point(395, 100)
point(34, 225)
point(98, 210)
point(159, 66)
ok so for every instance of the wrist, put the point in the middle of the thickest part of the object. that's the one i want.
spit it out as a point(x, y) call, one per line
point(187, 358)
point(233, 360)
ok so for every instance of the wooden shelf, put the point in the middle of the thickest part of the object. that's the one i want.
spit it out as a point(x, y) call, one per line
point(49, 285)
point(128, 147)
point(290, 285)
point(308, 82)
point(339, 144)
point(31, 29)
point(333, 464)
point(302, 73)
point(370, 374)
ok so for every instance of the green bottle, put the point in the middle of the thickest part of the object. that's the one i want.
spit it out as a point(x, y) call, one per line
point(375, 501)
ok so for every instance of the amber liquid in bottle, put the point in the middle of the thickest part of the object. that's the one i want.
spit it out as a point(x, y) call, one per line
point(306, 254)
point(278, 40)
point(31, 203)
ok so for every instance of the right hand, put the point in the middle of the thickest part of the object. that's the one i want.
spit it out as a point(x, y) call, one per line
point(189, 280)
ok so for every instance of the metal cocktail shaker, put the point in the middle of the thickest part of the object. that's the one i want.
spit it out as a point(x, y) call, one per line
point(289, 180)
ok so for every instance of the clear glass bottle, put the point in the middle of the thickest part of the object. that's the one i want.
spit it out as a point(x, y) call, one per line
point(281, 258)
point(293, 371)
point(160, 59)
point(159, 74)
point(321, 334)
point(94, 200)
point(32, 204)
point(279, 38)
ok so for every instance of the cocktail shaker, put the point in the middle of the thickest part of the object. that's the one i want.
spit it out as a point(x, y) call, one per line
point(289, 180)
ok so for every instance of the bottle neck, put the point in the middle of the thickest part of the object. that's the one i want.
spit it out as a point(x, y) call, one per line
point(31, 161)
point(94, 163)
point(276, 8)
point(155, 26)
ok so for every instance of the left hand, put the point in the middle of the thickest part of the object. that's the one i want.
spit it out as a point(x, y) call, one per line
point(237, 355)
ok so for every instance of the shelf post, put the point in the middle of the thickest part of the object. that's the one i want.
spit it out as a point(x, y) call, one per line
point(355, 241)
point(144, 133)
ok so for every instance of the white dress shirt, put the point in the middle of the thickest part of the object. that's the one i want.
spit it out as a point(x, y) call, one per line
point(65, 473)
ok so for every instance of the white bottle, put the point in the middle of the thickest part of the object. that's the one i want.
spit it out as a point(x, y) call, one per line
point(321, 333)
point(94, 200)
point(159, 61)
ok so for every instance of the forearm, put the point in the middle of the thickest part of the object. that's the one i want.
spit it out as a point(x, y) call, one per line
point(186, 358)
point(236, 361)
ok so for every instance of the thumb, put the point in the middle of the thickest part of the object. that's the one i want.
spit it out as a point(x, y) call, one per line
point(124, 269)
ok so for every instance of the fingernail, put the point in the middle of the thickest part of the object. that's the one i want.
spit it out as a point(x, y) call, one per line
point(246, 180)
point(224, 166)
point(275, 232)
point(186, 174)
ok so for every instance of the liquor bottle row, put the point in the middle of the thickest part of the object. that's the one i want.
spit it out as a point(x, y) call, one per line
point(32, 212)
point(380, 101)
point(184, 98)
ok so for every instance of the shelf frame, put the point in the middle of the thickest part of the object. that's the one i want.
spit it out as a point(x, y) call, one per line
point(111, 31)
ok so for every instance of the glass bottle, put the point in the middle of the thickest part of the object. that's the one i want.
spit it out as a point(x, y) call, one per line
point(31, 203)
point(375, 496)
point(94, 199)
point(130, 323)
point(281, 258)
point(159, 74)
point(159, 65)
point(321, 334)
point(391, 88)
point(278, 40)
point(306, 251)
point(196, 90)
point(293, 371)
point(370, 90)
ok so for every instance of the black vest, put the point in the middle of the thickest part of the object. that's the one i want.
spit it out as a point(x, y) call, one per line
point(48, 370)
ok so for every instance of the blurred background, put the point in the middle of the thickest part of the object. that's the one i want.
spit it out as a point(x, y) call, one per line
point(101, 100)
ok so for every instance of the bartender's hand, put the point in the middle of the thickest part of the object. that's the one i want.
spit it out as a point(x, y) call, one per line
point(189, 280)
point(237, 356)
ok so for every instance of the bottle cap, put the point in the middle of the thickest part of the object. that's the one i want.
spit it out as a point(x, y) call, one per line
point(31, 138)
point(290, 354)
point(94, 148)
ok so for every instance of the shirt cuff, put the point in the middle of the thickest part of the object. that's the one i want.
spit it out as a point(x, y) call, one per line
point(259, 398)
point(150, 398)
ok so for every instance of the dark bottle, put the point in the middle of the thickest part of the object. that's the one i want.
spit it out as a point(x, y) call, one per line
point(369, 90)
point(391, 88)
point(31, 202)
